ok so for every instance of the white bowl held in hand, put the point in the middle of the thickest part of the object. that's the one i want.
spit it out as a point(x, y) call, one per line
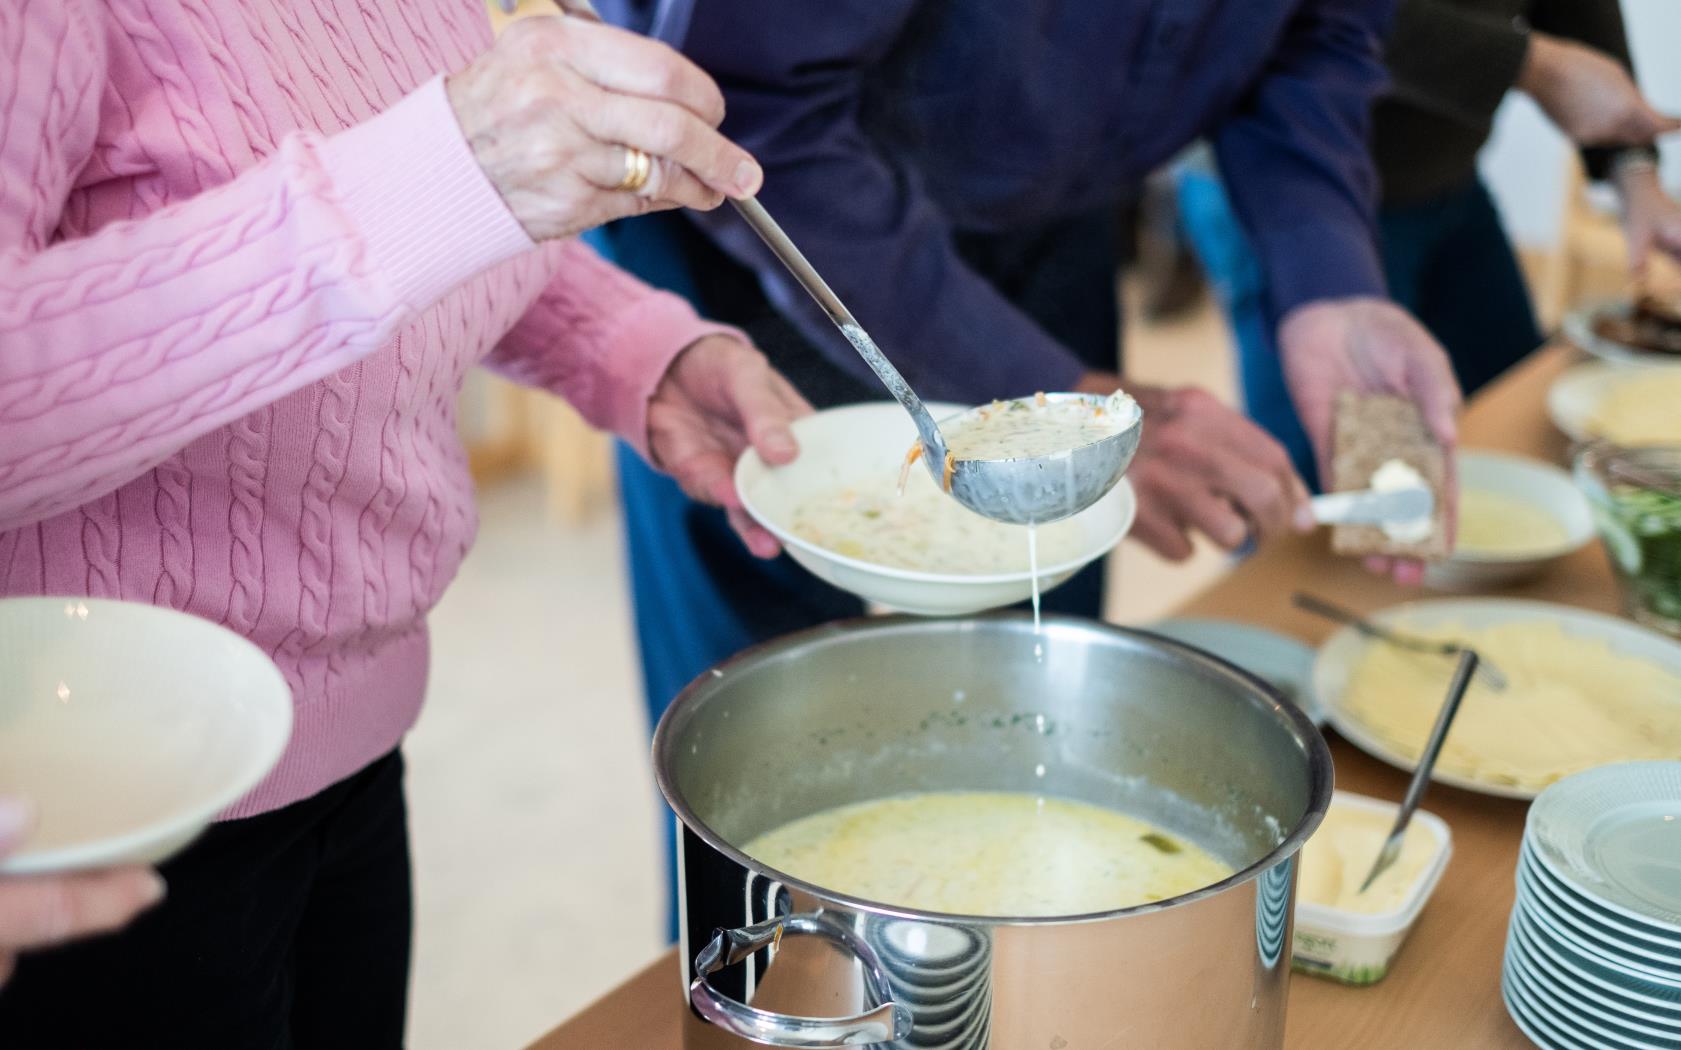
point(1537, 486)
point(128, 727)
point(866, 444)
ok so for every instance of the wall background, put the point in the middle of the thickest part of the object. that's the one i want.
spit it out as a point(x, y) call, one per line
point(1524, 163)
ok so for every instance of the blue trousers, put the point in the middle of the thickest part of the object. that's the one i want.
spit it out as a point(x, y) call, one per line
point(1447, 260)
point(699, 596)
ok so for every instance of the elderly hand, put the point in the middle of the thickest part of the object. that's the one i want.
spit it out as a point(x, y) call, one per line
point(1651, 218)
point(1202, 467)
point(1589, 95)
point(554, 108)
point(41, 911)
point(1372, 346)
point(718, 397)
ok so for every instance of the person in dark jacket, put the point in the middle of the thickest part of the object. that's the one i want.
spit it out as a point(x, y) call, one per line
point(952, 168)
point(1446, 254)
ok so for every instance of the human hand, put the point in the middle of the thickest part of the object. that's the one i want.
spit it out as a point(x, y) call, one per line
point(1201, 467)
point(1589, 95)
point(718, 397)
point(553, 108)
point(38, 911)
point(1372, 346)
point(1651, 218)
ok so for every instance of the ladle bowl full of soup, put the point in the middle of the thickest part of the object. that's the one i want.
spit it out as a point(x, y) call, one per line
point(965, 835)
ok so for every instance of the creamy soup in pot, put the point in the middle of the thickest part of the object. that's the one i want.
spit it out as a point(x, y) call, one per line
point(988, 853)
point(1036, 426)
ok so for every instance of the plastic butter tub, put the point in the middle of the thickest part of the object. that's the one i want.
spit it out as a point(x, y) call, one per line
point(1357, 946)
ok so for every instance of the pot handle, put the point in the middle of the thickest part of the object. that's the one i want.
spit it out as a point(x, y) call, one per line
point(886, 1022)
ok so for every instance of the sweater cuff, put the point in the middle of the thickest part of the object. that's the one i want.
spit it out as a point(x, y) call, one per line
point(644, 343)
point(428, 215)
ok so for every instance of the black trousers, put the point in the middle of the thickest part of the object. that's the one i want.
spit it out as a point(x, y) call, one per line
point(285, 931)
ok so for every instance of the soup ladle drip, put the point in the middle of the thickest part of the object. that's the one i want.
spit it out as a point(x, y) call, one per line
point(1026, 490)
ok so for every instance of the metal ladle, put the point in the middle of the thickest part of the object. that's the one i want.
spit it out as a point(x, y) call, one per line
point(1026, 490)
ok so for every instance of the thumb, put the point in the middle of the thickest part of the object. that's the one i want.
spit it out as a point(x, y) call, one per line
point(1639, 248)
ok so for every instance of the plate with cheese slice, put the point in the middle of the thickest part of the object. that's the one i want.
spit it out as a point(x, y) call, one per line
point(1583, 690)
point(1623, 404)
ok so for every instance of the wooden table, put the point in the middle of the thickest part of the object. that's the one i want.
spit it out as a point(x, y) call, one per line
point(1444, 990)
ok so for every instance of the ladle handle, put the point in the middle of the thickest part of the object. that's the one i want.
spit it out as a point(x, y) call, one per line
point(800, 267)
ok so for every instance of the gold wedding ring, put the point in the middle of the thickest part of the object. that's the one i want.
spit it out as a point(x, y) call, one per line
point(638, 166)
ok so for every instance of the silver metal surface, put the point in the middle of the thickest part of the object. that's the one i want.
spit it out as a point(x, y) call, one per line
point(1492, 676)
point(1037, 490)
point(1462, 673)
point(885, 1022)
point(1370, 507)
point(872, 708)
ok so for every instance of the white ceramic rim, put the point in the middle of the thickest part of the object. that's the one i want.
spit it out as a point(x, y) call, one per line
point(186, 820)
point(1512, 461)
point(1558, 826)
point(1572, 397)
point(1635, 929)
point(1556, 921)
point(1544, 969)
point(1577, 326)
point(1330, 672)
point(1129, 514)
point(1533, 941)
point(1550, 1010)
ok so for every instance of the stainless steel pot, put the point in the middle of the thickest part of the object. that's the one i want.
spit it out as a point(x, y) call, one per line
point(870, 708)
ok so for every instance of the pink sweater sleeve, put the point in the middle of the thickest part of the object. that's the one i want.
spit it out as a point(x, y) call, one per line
point(118, 348)
point(601, 339)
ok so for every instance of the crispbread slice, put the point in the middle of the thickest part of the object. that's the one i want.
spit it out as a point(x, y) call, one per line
point(1372, 429)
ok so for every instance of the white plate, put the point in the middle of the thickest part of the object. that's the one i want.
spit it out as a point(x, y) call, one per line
point(1342, 651)
point(1575, 395)
point(1564, 1016)
point(1540, 485)
point(1568, 928)
point(1618, 928)
point(840, 445)
point(128, 727)
point(1282, 661)
point(1570, 985)
point(1578, 326)
point(1613, 834)
point(1649, 994)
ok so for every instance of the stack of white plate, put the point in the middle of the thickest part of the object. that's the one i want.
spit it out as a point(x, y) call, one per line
point(1593, 954)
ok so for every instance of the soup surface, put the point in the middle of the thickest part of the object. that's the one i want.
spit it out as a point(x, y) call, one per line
point(924, 529)
point(1031, 426)
point(988, 853)
point(1641, 410)
point(1491, 523)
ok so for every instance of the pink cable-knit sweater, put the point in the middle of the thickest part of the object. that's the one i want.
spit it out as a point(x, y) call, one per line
point(246, 258)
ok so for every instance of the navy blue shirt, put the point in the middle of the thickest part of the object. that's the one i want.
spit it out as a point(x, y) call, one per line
point(884, 125)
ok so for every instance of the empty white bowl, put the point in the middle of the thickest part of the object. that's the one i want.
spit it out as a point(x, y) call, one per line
point(841, 445)
point(1539, 485)
point(128, 727)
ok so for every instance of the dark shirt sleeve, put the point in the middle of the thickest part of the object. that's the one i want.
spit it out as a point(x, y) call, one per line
point(1599, 25)
point(1453, 60)
point(1296, 159)
point(793, 90)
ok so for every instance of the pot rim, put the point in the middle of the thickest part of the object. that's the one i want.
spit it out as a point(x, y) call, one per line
point(1312, 742)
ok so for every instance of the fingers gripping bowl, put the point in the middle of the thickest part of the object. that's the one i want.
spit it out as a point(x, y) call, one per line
point(836, 512)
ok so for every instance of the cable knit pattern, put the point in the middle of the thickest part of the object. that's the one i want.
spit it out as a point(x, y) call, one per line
point(246, 259)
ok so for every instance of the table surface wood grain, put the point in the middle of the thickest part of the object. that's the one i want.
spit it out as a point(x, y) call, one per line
point(1444, 990)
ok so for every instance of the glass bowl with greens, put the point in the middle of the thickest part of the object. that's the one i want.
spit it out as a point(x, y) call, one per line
point(1636, 499)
